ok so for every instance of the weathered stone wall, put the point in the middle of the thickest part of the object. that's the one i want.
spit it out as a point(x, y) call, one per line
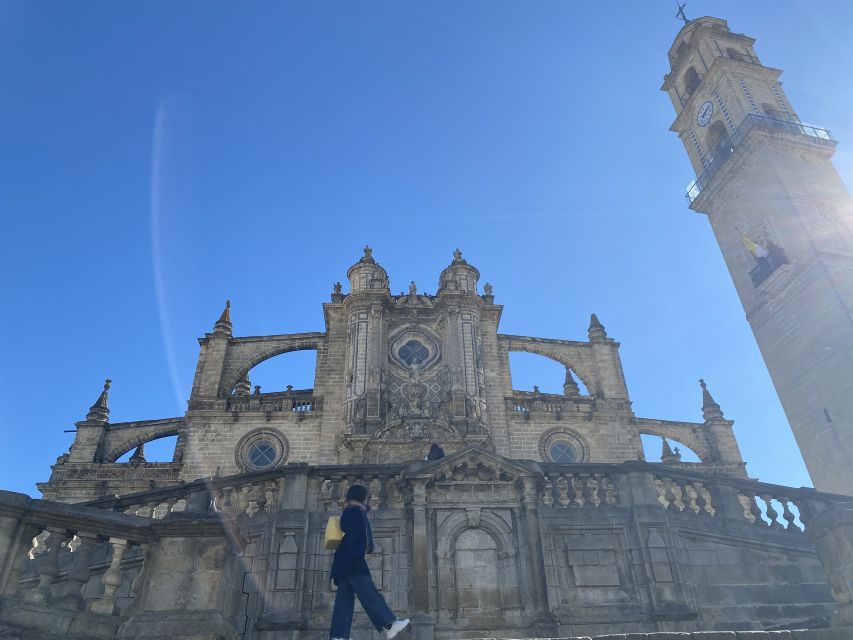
point(477, 545)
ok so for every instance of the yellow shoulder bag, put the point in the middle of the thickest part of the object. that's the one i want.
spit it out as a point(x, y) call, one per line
point(334, 535)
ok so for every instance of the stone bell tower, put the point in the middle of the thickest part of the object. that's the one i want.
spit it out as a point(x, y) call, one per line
point(784, 223)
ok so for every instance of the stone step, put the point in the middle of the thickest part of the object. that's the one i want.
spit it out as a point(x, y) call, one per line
point(836, 633)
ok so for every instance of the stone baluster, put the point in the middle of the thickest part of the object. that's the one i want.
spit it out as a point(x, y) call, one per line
point(772, 514)
point(670, 496)
point(701, 501)
point(241, 498)
point(660, 488)
point(375, 491)
point(340, 492)
point(687, 498)
point(49, 567)
point(548, 494)
point(603, 497)
point(586, 490)
point(575, 499)
point(755, 510)
point(22, 558)
point(111, 580)
point(327, 494)
point(80, 572)
point(270, 496)
point(788, 515)
point(594, 488)
point(564, 486)
point(164, 508)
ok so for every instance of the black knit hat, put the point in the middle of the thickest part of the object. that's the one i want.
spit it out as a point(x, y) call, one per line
point(357, 492)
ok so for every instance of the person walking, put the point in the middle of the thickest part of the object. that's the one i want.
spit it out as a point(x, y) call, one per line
point(351, 575)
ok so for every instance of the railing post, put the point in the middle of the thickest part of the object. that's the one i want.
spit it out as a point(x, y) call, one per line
point(636, 487)
point(19, 551)
point(831, 532)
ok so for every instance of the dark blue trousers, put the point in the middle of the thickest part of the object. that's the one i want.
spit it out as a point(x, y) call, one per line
point(368, 595)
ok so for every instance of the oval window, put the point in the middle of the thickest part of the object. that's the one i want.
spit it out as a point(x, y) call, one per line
point(562, 452)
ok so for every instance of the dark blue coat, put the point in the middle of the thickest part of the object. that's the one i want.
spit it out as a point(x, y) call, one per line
point(358, 540)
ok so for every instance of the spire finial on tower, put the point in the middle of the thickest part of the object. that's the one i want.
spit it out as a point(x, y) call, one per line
point(100, 411)
point(223, 325)
point(596, 329)
point(680, 13)
point(710, 409)
point(457, 255)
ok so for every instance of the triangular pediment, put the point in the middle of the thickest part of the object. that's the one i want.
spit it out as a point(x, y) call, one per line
point(471, 464)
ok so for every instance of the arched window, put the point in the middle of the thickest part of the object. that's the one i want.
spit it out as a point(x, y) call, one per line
point(691, 80)
point(717, 137)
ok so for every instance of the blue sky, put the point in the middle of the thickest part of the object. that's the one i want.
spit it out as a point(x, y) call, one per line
point(157, 158)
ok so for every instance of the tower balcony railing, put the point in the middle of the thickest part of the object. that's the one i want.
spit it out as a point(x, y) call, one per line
point(730, 144)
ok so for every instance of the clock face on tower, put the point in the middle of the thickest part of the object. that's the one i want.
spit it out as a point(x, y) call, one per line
point(703, 116)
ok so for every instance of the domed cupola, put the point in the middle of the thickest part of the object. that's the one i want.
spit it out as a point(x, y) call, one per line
point(459, 276)
point(367, 274)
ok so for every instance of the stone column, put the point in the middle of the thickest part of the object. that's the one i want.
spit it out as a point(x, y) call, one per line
point(544, 624)
point(14, 542)
point(422, 621)
point(831, 532)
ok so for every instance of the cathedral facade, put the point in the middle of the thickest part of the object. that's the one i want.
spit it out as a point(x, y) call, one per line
point(394, 374)
point(543, 519)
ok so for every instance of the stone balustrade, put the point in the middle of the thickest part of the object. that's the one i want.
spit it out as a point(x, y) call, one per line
point(577, 486)
point(381, 485)
point(119, 567)
point(526, 402)
point(299, 402)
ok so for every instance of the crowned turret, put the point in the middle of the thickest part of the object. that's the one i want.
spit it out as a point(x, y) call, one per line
point(459, 276)
point(367, 274)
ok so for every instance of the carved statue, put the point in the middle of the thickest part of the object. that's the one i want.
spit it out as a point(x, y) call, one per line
point(487, 289)
point(336, 288)
point(413, 288)
point(457, 255)
point(368, 252)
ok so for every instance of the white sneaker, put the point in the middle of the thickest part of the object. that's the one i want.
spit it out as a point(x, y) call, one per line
point(396, 627)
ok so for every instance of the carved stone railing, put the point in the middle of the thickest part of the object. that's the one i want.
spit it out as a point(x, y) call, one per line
point(77, 571)
point(80, 560)
point(526, 402)
point(763, 505)
point(381, 483)
point(300, 402)
point(579, 485)
point(262, 492)
point(759, 504)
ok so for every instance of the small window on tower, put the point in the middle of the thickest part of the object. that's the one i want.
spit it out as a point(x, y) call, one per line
point(691, 80)
point(413, 352)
